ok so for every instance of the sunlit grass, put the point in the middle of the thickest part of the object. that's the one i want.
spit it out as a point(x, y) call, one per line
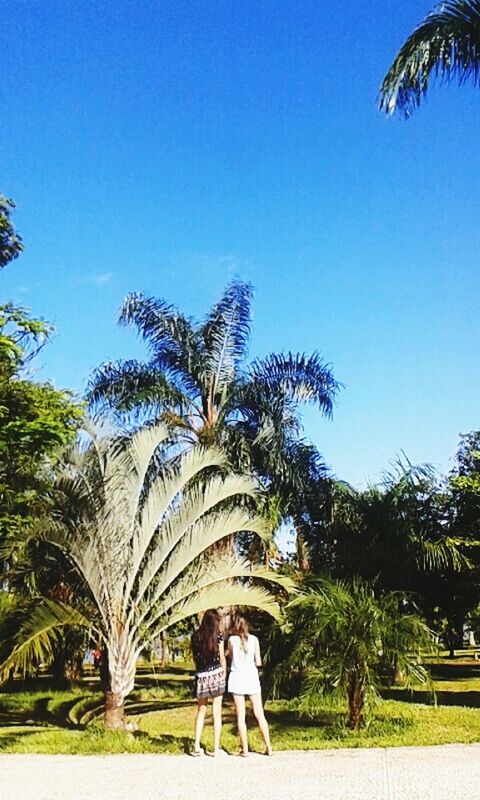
point(162, 713)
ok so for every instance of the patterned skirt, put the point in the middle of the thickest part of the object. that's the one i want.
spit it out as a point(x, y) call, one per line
point(209, 684)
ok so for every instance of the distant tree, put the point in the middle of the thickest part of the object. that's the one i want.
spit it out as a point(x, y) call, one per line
point(446, 44)
point(10, 242)
point(454, 594)
point(395, 533)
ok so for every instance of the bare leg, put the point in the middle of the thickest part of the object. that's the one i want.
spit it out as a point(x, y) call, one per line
point(241, 724)
point(217, 722)
point(199, 721)
point(262, 722)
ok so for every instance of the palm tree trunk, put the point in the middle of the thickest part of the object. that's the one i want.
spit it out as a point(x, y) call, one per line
point(302, 553)
point(114, 716)
point(165, 649)
point(355, 704)
point(114, 704)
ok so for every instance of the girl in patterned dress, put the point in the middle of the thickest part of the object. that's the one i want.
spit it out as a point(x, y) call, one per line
point(210, 671)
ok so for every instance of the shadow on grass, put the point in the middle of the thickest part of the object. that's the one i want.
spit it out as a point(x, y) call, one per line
point(454, 672)
point(442, 698)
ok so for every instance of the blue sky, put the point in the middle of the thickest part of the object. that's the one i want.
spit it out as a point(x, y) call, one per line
point(165, 146)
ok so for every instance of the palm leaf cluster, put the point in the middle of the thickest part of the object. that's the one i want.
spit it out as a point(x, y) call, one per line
point(140, 536)
point(397, 532)
point(197, 381)
point(445, 45)
point(345, 642)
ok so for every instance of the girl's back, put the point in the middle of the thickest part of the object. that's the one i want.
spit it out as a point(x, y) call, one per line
point(243, 653)
point(243, 677)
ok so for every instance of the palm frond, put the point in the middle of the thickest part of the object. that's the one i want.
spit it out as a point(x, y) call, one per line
point(38, 629)
point(131, 385)
point(446, 45)
point(172, 340)
point(226, 332)
point(204, 574)
point(231, 593)
point(298, 377)
point(187, 545)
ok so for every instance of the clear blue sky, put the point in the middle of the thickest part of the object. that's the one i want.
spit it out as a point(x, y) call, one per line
point(164, 146)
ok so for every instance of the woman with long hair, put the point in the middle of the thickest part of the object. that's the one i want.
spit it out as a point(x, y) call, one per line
point(210, 671)
point(244, 651)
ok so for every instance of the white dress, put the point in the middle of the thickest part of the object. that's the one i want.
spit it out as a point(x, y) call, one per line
point(243, 678)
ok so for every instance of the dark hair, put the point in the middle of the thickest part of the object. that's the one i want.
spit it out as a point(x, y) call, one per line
point(205, 638)
point(240, 628)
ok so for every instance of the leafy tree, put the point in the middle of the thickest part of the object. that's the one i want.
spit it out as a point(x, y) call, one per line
point(395, 533)
point(344, 641)
point(36, 421)
point(136, 520)
point(445, 44)
point(10, 242)
point(198, 382)
point(454, 594)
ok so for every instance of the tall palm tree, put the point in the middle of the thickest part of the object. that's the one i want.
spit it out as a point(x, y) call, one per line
point(446, 44)
point(136, 521)
point(343, 639)
point(196, 378)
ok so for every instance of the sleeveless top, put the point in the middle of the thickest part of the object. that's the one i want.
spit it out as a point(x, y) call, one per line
point(243, 678)
point(243, 661)
point(202, 664)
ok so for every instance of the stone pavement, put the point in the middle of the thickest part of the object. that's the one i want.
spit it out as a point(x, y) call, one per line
point(447, 772)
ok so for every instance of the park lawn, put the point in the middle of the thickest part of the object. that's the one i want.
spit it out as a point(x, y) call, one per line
point(161, 711)
point(168, 728)
point(394, 724)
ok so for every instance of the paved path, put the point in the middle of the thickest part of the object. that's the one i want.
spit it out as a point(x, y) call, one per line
point(404, 773)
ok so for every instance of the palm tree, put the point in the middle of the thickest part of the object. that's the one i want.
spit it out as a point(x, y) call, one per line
point(446, 44)
point(196, 379)
point(344, 640)
point(396, 533)
point(136, 521)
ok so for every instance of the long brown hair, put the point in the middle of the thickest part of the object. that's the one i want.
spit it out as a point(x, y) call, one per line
point(205, 638)
point(240, 628)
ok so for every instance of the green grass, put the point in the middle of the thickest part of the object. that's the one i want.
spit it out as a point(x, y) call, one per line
point(47, 721)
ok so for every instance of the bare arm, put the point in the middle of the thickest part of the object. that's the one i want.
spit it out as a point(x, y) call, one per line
point(223, 661)
point(258, 657)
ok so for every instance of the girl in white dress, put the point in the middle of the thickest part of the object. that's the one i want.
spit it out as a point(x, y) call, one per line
point(244, 651)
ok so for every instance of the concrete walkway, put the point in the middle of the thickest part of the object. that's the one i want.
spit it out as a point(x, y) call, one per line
point(405, 773)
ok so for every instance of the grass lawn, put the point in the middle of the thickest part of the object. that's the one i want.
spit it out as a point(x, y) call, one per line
point(48, 721)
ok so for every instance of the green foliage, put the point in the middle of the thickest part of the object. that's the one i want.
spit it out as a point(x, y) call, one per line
point(396, 533)
point(344, 641)
point(10, 242)
point(197, 381)
point(138, 522)
point(30, 633)
point(446, 44)
point(36, 421)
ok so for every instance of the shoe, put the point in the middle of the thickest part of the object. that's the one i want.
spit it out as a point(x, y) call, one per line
point(196, 753)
